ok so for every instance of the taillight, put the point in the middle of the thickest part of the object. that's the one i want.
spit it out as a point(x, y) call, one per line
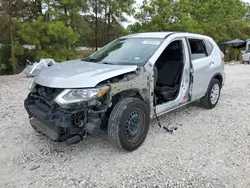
point(222, 56)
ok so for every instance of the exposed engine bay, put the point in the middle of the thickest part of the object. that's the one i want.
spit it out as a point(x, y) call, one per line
point(74, 121)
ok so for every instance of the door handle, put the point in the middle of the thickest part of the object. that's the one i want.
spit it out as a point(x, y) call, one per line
point(211, 63)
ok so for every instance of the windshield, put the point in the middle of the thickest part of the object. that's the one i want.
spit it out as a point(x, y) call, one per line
point(126, 51)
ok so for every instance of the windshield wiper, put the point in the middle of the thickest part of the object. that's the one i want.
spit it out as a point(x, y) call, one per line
point(107, 63)
point(89, 59)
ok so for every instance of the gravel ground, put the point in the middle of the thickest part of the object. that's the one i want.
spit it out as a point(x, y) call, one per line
point(210, 149)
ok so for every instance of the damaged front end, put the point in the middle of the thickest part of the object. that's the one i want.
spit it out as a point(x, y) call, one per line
point(67, 114)
point(70, 114)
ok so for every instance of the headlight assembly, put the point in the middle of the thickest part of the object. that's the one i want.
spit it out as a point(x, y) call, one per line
point(69, 96)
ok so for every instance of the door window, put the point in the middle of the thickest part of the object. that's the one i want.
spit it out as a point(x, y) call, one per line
point(198, 49)
point(209, 47)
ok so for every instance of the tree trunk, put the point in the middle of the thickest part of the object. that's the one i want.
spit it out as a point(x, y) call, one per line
point(96, 24)
point(12, 39)
point(109, 21)
point(106, 26)
point(39, 8)
point(13, 58)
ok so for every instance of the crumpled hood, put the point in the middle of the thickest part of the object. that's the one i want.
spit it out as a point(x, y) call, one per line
point(79, 74)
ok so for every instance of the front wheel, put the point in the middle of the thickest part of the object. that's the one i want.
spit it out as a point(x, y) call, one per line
point(128, 124)
point(212, 96)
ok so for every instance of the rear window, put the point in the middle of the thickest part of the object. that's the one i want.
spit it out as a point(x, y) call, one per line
point(209, 47)
point(198, 49)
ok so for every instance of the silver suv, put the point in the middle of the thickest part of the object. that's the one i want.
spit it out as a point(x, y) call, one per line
point(124, 84)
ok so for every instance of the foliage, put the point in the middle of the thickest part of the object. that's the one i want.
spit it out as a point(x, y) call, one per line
point(83, 53)
point(222, 20)
point(55, 28)
point(51, 39)
point(4, 58)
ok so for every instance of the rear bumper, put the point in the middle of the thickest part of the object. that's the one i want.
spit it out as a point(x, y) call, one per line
point(245, 58)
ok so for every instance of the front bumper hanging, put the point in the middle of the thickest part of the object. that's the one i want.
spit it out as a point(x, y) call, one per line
point(62, 124)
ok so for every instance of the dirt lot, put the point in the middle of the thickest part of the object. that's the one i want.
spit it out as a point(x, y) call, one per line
point(210, 148)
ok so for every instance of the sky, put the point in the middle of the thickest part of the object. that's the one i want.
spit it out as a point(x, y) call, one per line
point(131, 20)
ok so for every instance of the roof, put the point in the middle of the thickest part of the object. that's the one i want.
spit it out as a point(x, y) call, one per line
point(163, 35)
point(150, 35)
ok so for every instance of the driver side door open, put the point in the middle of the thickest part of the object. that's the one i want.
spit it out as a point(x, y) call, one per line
point(172, 76)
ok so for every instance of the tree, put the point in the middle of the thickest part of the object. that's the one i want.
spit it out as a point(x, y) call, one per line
point(51, 39)
point(8, 13)
point(12, 11)
point(155, 15)
point(222, 20)
point(105, 17)
point(56, 28)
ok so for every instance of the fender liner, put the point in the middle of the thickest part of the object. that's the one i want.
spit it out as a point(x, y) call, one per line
point(219, 77)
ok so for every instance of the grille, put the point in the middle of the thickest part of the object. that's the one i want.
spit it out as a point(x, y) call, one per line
point(47, 92)
point(46, 95)
point(78, 119)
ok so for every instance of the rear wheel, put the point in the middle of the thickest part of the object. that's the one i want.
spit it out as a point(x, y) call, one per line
point(128, 124)
point(212, 96)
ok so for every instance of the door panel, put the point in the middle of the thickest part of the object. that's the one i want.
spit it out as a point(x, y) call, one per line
point(201, 76)
point(203, 65)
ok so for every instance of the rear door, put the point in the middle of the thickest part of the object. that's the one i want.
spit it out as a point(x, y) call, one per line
point(202, 65)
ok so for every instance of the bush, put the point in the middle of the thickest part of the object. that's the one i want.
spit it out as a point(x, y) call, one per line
point(51, 39)
point(27, 54)
point(5, 55)
point(234, 54)
point(5, 59)
point(83, 53)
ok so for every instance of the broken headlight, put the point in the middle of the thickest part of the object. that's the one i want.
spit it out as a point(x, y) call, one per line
point(69, 96)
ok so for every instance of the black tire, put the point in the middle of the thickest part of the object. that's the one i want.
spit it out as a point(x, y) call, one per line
point(206, 101)
point(242, 61)
point(120, 123)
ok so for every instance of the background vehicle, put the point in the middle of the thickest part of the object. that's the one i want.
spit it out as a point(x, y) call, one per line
point(123, 85)
point(245, 57)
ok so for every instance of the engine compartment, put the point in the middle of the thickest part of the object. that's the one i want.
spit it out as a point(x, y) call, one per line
point(77, 120)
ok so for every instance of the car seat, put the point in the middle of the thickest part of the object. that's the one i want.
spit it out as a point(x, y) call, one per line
point(169, 73)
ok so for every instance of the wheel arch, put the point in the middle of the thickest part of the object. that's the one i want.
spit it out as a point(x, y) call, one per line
point(135, 93)
point(219, 77)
